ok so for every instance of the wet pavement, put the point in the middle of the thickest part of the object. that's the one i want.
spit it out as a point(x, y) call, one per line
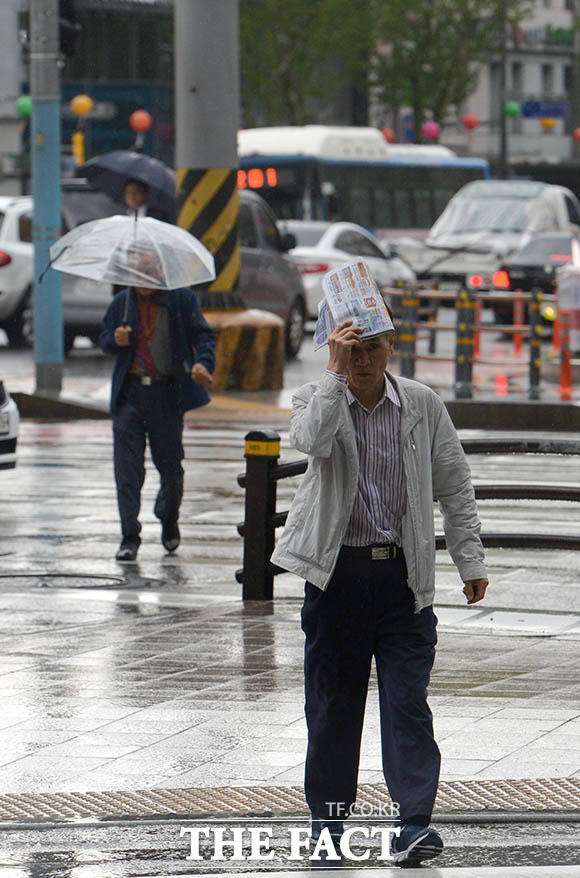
point(139, 689)
point(516, 851)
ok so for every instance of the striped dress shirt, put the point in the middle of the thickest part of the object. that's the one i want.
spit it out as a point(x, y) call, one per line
point(380, 501)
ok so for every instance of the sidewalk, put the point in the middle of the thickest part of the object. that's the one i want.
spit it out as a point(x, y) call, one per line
point(155, 687)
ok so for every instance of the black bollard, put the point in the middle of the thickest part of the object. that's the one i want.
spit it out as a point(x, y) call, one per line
point(262, 451)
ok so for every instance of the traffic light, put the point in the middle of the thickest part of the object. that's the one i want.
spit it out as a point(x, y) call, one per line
point(69, 27)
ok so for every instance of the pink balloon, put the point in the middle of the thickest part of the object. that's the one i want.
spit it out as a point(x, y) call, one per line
point(430, 130)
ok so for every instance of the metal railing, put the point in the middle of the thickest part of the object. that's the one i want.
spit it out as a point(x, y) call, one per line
point(467, 330)
point(262, 450)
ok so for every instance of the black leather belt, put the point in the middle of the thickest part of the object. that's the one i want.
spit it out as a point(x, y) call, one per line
point(148, 380)
point(378, 552)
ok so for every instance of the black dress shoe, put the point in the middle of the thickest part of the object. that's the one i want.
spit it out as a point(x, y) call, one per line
point(128, 549)
point(170, 536)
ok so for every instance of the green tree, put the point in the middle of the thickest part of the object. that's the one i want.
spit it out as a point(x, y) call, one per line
point(296, 51)
point(429, 51)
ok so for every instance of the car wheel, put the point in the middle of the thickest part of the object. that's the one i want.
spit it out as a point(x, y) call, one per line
point(27, 319)
point(69, 340)
point(295, 328)
point(14, 328)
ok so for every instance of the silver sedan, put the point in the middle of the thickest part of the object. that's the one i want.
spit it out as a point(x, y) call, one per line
point(321, 246)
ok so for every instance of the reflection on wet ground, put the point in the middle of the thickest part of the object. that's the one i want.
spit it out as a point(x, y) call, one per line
point(156, 676)
point(159, 850)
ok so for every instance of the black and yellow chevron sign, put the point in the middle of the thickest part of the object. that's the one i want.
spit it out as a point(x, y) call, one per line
point(208, 202)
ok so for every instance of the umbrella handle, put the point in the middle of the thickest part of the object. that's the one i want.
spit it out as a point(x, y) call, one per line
point(126, 308)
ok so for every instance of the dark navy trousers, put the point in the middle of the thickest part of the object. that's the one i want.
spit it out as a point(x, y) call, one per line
point(368, 610)
point(147, 413)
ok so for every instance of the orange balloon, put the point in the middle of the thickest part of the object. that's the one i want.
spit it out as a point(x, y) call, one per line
point(81, 105)
point(547, 123)
point(577, 134)
point(140, 120)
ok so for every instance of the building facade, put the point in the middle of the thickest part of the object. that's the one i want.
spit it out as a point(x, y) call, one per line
point(539, 77)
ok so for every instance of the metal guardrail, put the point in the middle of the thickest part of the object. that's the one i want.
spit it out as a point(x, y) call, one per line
point(262, 450)
point(467, 329)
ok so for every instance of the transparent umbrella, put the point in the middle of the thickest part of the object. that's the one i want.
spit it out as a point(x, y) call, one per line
point(135, 252)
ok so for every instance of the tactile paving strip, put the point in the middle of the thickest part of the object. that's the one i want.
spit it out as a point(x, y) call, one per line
point(549, 794)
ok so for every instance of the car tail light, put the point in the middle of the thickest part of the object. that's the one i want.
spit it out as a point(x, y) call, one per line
point(5, 258)
point(313, 267)
point(475, 281)
point(501, 280)
point(561, 257)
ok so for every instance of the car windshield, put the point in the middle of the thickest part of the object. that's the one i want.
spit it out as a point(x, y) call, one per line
point(494, 215)
point(306, 235)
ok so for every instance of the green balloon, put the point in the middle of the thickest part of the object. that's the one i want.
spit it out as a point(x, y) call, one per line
point(511, 108)
point(24, 106)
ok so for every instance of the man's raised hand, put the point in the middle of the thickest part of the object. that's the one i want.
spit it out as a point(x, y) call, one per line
point(340, 342)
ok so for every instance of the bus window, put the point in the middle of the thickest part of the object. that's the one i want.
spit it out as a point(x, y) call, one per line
point(424, 218)
point(360, 206)
point(384, 218)
point(403, 215)
point(442, 198)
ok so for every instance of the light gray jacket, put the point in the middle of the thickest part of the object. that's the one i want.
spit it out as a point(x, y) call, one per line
point(435, 468)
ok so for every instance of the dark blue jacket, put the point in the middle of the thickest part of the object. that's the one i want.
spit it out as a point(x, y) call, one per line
point(192, 341)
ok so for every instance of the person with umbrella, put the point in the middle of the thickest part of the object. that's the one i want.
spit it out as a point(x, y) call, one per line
point(140, 182)
point(164, 349)
point(136, 195)
point(153, 334)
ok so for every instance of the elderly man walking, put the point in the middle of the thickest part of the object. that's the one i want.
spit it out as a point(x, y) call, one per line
point(360, 531)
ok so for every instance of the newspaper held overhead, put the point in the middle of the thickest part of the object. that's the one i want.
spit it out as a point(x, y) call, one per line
point(350, 293)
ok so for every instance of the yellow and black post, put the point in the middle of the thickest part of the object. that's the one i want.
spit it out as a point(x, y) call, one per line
point(262, 451)
point(464, 306)
point(535, 322)
point(250, 345)
point(407, 341)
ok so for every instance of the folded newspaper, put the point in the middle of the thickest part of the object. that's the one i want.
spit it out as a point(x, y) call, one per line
point(350, 293)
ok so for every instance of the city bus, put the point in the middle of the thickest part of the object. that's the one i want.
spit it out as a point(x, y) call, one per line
point(346, 173)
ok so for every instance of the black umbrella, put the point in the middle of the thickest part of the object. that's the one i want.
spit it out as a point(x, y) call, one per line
point(111, 172)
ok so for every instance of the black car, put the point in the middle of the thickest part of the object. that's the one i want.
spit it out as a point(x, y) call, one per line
point(532, 267)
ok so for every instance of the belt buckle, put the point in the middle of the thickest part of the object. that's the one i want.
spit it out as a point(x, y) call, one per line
point(381, 553)
point(146, 380)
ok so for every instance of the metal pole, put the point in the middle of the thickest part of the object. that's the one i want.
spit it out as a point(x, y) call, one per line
point(575, 96)
point(262, 450)
point(45, 150)
point(464, 346)
point(207, 122)
point(407, 341)
point(535, 322)
point(503, 146)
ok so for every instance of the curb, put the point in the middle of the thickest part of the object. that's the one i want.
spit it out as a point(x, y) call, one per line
point(490, 414)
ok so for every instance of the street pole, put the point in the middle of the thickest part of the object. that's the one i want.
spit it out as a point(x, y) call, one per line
point(575, 96)
point(45, 153)
point(250, 344)
point(503, 145)
point(207, 122)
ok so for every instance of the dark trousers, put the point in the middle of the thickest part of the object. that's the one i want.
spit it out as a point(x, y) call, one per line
point(368, 610)
point(147, 413)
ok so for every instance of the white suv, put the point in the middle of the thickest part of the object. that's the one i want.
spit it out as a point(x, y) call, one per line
point(487, 221)
point(84, 301)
